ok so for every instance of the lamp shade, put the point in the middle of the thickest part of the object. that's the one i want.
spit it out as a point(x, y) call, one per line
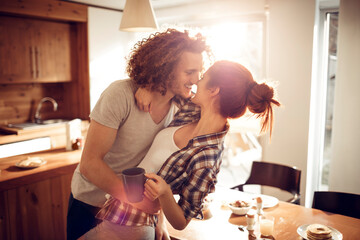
point(138, 16)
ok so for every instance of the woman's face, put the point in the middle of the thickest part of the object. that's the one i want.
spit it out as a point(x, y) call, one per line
point(202, 95)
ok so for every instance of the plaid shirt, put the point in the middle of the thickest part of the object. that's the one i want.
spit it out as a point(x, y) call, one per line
point(188, 113)
point(191, 172)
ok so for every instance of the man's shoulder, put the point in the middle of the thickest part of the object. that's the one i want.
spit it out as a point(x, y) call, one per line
point(125, 87)
point(125, 84)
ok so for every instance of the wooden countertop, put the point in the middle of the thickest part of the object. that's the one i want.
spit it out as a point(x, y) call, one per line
point(59, 162)
point(288, 218)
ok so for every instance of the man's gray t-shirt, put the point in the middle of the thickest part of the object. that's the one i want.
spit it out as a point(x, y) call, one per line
point(116, 108)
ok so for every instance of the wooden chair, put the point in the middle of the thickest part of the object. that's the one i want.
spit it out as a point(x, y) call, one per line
point(347, 204)
point(275, 175)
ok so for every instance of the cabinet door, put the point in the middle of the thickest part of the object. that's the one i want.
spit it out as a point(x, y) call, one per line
point(52, 51)
point(38, 210)
point(17, 55)
point(34, 50)
point(4, 217)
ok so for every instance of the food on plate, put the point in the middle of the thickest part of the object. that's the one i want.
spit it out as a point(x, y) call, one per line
point(31, 162)
point(318, 232)
point(239, 207)
point(240, 204)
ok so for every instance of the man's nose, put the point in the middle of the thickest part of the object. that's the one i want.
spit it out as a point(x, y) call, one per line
point(195, 79)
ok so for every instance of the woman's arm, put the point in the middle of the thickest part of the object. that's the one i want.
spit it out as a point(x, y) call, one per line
point(143, 99)
point(157, 188)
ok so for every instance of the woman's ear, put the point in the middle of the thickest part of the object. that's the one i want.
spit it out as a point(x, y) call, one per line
point(214, 91)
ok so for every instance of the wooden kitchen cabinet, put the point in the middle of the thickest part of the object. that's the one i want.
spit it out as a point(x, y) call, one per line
point(35, 211)
point(34, 50)
point(43, 53)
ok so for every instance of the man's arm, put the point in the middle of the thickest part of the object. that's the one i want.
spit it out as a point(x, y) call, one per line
point(98, 142)
point(161, 232)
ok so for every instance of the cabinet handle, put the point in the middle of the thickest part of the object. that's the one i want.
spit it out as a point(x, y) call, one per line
point(33, 62)
point(37, 62)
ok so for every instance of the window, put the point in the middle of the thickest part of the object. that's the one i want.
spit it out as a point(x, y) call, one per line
point(330, 40)
point(241, 41)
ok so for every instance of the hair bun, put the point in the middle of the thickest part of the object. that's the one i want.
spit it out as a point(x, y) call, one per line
point(260, 100)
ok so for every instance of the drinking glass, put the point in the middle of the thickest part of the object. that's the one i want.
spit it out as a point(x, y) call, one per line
point(267, 225)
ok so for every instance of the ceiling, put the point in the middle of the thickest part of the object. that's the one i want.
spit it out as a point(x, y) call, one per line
point(119, 4)
point(160, 4)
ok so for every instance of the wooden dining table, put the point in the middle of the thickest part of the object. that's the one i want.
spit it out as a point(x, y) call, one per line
point(224, 225)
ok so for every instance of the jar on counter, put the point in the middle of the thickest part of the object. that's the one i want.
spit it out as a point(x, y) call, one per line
point(77, 144)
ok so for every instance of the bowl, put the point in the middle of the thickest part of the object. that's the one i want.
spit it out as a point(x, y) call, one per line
point(239, 207)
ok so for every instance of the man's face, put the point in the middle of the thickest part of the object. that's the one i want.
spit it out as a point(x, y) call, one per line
point(186, 74)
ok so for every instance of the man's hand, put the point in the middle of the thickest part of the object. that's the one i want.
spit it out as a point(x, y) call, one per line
point(161, 232)
point(148, 206)
point(143, 99)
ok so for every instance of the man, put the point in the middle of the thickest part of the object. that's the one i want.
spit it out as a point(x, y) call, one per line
point(120, 134)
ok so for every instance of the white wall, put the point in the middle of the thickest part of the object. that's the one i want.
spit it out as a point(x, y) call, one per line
point(290, 52)
point(108, 48)
point(345, 162)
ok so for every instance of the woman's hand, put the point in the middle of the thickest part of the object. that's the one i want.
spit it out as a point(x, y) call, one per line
point(156, 187)
point(143, 99)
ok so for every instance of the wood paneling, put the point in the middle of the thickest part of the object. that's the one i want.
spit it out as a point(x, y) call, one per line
point(58, 162)
point(4, 216)
point(50, 9)
point(36, 204)
point(17, 55)
point(18, 102)
point(33, 50)
point(79, 91)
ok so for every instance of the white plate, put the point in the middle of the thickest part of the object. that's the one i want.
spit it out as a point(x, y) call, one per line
point(268, 201)
point(38, 162)
point(336, 235)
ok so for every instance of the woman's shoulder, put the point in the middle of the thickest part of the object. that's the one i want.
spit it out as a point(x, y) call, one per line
point(206, 157)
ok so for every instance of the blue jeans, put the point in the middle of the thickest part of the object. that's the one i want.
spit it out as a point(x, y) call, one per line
point(80, 218)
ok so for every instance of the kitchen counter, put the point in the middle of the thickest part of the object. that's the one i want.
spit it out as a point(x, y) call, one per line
point(59, 162)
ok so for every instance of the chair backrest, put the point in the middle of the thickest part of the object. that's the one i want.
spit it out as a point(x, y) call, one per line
point(347, 204)
point(275, 175)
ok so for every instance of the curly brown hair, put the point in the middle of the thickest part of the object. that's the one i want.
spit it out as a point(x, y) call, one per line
point(153, 60)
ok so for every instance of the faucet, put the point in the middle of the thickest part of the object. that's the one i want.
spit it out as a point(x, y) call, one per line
point(37, 114)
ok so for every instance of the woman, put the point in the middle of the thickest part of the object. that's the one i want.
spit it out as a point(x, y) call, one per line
point(193, 153)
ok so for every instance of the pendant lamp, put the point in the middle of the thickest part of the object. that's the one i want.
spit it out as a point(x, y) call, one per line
point(138, 16)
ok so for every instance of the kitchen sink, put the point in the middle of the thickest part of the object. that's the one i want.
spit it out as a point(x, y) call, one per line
point(44, 123)
point(54, 121)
